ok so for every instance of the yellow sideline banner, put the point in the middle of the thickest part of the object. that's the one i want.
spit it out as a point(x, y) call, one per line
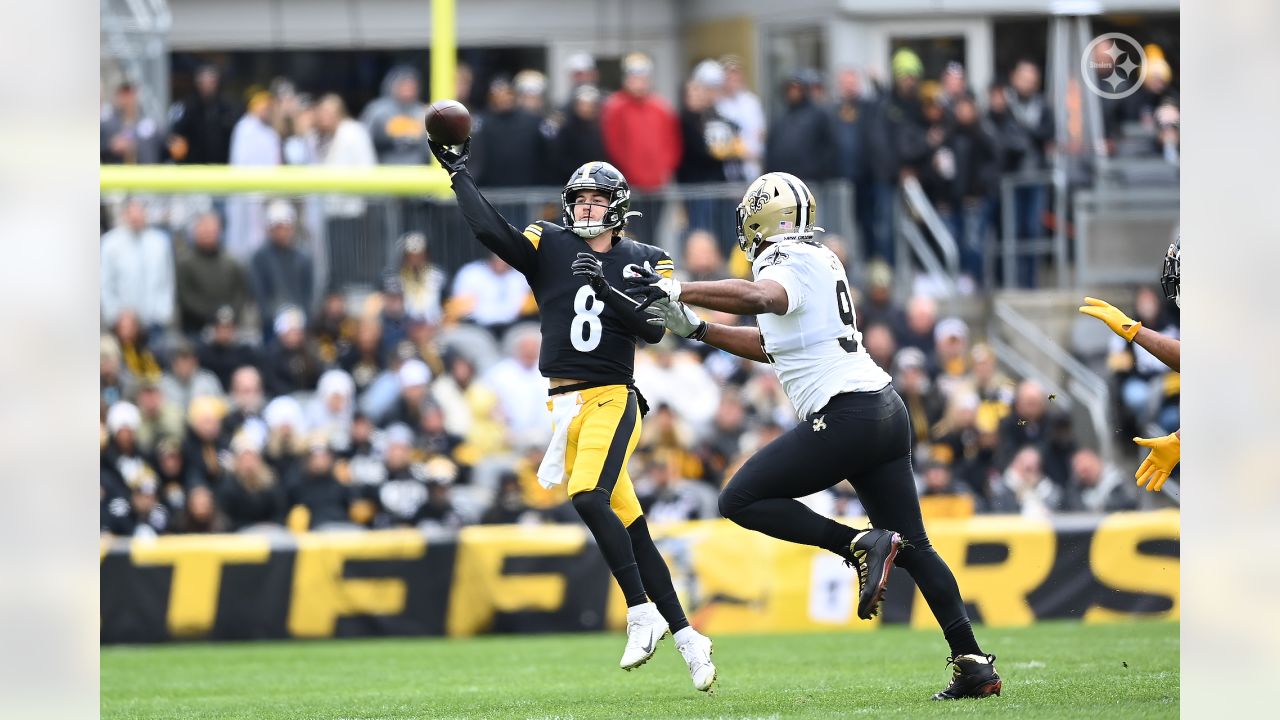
point(513, 579)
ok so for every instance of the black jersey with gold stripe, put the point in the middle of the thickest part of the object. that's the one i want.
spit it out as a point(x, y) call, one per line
point(583, 337)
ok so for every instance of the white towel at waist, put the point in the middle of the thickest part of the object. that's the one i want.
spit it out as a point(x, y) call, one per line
point(564, 408)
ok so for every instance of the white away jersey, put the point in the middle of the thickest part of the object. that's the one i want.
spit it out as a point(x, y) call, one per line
point(815, 348)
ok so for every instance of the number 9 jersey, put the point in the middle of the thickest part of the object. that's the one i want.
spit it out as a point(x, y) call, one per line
point(815, 348)
point(582, 338)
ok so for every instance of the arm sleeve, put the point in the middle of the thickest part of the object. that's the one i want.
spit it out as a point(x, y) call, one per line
point(519, 250)
point(789, 280)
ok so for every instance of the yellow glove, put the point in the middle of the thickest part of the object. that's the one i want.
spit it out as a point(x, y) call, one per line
point(1165, 452)
point(1121, 324)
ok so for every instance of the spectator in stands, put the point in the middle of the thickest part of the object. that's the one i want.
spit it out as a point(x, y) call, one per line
point(342, 143)
point(924, 403)
point(332, 330)
point(1033, 423)
point(139, 361)
point(722, 441)
point(186, 380)
point(115, 383)
point(1024, 488)
point(247, 400)
point(878, 339)
point(434, 440)
point(582, 71)
point(669, 497)
point(128, 485)
point(281, 274)
point(579, 139)
point(678, 379)
point(208, 278)
point(396, 121)
point(221, 351)
point(126, 135)
point(520, 387)
point(203, 443)
point(895, 138)
point(332, 410)
point(509, 507)
point(200, 513)
point(954, 86)
point(937, 480)
point(702, 258)
point(853, 113)
point(977, 184)
point(158, 418)
point(252, 495)
point(254, 142)
point(800, 142)
point(699, 127)
point(414, 377)
point(918, 330)
point(742, 107)
point(299, 133)
point(641, 133)
point(395, 323)
point(440, 512)
point(137, 271)
point(422, 281)
point(172, 474)
point(450, 393)
point(285, 443)
point(403, 494)
point(878, 306)
point(201, 124)
point(951, 343)
point(995, 389)
point(508, 147)
point(363, 360)
point(490, 293)
point(289, 365)
point(957, 440)
point(1097, 487)
point(1025, 130)
point(327, 502)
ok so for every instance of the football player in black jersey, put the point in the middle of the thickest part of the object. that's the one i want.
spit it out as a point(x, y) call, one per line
point(589, 334)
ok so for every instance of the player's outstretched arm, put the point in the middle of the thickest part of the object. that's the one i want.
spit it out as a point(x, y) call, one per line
point(492, 230)
point(628, 310)
point(1166, 349)
point(740, 297)
point(679, 319)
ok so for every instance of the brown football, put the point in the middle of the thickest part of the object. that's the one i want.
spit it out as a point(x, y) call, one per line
point(448, 122)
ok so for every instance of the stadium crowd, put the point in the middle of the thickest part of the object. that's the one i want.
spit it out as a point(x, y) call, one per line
point(233, 397)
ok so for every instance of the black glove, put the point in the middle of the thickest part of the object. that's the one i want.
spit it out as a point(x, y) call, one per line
point(588, 266)
point(643, 287)
point(452, 160)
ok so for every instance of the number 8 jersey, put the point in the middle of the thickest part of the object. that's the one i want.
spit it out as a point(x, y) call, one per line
point(815, 348)
point(582, 338)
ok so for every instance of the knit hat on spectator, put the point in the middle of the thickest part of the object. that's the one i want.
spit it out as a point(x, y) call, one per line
point(950, 327)
point(250, 438)
point(414, 242)
point(414, 372)
point(909, 357)
point(289, 318)
point(123, 415)
point(281, 212)
point(530, 82)
point(398, 434)
point(637, 64)
point(709, 73)
point(335, 382)
point(907, 64)
point(440, 470)
point(580, 62)
point(225, 315)
point(284, 411)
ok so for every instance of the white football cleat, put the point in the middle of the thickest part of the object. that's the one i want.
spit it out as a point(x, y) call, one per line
point(696, 651)
point(645, 627)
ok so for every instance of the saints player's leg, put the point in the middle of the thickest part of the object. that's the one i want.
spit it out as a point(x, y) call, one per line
point(810, 457)
point(694, 647)
point(888, 493)
point(608, 431)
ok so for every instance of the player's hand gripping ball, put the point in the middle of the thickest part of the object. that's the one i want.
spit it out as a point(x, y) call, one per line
point(449, 134)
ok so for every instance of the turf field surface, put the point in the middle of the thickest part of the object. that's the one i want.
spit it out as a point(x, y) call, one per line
point(1050, 670)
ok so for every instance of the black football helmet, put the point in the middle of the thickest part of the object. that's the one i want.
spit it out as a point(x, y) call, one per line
point(607, 179)
point(1171, 275)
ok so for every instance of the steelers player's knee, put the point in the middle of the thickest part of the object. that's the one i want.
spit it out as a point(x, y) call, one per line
point(730, 503)
point(592, 504)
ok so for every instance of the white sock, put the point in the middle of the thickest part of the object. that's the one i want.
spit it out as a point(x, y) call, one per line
point(685, 635)
point(641, 608)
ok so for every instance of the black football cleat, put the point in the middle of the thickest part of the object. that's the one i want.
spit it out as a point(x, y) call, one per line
point(975, 677)
point(872, 553)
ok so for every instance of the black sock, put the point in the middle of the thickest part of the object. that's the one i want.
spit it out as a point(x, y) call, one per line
point(938, 586)
point(614, 542)
point(656, 575)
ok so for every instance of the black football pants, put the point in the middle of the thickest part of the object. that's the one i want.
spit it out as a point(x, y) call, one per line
point(865, 438)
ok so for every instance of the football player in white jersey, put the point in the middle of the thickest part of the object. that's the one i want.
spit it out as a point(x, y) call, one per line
point(853, 423)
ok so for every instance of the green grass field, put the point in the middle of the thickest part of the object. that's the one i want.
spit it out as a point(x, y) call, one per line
point(1051, 670)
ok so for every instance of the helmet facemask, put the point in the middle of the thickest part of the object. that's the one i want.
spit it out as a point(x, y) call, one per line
point(587, 229)
point(605, 179)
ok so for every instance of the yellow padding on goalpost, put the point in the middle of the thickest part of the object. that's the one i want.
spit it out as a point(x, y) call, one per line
point(283, 180)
